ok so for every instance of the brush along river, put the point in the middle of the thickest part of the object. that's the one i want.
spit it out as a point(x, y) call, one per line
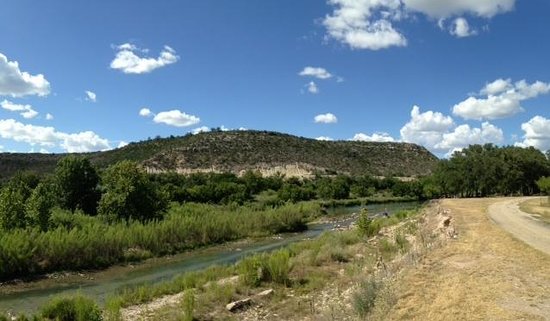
point(28, 297)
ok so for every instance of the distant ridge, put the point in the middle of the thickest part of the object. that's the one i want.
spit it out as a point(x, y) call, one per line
point(238, 151)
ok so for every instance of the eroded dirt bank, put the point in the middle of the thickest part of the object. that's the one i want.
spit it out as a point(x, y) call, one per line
point(484, 274)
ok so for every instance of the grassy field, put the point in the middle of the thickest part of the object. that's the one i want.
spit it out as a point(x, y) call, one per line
point(538, 207)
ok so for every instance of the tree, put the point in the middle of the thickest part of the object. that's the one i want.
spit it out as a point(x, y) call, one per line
point(77, 183)
point(39, 205)
point(12, 204)
point(544, 185)
point(129, 194)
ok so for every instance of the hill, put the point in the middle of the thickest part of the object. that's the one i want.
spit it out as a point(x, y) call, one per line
point(238, 151)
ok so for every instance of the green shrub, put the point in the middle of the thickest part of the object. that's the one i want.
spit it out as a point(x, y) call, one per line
point(77, 308)
point(274, 267)
point(365, 297)
point(279, 267)
point(188, 305)
point(368, 226)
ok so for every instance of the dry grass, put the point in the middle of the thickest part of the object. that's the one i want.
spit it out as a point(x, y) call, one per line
point(485, 274)
point(540, 207)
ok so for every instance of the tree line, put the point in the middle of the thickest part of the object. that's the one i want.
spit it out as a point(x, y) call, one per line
point(486, 170)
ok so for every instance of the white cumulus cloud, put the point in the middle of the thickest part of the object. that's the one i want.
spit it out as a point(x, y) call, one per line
point(129, 61)
point(86, 141)
point(447, 8)
point(327, 118)
point(464, 135)
point(49, 116)
point(376, 137)
point(312, 88)
point(83, 142)
point(316, 72)
point(537, 133)
point(369, 24)
point(358, 24)
point(426, 128)
point(145, 112)
point(461, 28)
point(324, 138)
point(17, 83)
point(91, 96)
point(202, 129)
point(176, 118)
point(502, 99)
point(24, 110)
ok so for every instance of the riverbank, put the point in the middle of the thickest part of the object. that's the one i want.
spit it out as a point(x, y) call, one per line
point(320, 278)
point(107, 282)
point(484, 274)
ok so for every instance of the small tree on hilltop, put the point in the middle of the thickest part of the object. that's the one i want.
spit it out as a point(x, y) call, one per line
point(129, 194)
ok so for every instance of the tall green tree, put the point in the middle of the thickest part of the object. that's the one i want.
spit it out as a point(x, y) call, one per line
point(77, 182)
point(129, 194)
point(12, 204)
point(40, 203)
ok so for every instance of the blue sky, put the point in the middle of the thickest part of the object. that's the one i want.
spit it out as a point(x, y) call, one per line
point(91, 75)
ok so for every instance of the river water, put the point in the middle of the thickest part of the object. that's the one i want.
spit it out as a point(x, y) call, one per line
point(99, 285)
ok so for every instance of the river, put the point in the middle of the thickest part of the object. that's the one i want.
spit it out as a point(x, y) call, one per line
point(98, 285)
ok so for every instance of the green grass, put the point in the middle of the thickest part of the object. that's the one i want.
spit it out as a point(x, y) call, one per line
point(83, 242)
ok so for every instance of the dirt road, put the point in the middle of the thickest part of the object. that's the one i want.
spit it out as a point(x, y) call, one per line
point(521, 225)
point(484, 274)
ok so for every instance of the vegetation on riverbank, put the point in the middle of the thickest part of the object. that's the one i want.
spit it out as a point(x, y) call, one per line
point(303, 267)
point(77, 241)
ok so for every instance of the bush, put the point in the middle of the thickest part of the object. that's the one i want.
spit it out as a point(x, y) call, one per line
point(77, 308)
point(368, 226)
point(365, 297)
point(274, 267)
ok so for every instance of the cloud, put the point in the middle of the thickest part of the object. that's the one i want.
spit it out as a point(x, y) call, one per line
point(426, 128)
point(202, 129)
point(312, 88)
point(327, 118)
point(128, 60)
point(463, 135)
point(446, 8)
point(17, 83)
point(317, 72)
point(502, 99)
point(537, 133)
point(368, 24)
point(49, 116)
point(176, 118)
point(438, 132)
point(122, 144)
point(83, 142)
point(91, 96)
point(324, 138)
point(357, 24)
point(49, 137)
point(24, 110)
point(376, 137)
point(145, 112)
point(461, 28)
point(29, 114)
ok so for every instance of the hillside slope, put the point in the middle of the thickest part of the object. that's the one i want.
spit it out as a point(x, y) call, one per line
point(238, 151)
